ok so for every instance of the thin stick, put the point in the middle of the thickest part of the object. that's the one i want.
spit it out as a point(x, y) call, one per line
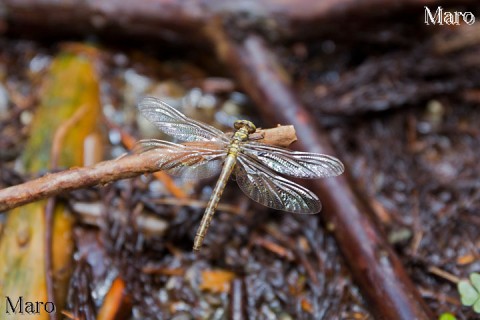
point(238, 300)
point(61, 132)
point(49, 212)
point(57, 143)
point(183, 20)
point(129, 143)
point(106, 172)
point(444, 274)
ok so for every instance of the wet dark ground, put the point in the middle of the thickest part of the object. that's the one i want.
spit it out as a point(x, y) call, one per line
point(415, 161)
point(405, 120)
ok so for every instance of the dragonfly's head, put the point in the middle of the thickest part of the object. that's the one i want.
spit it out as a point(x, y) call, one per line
point(247, 125)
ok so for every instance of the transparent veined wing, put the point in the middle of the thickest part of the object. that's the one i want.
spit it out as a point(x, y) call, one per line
point(265, 187)
point(293, 163)
point(199, 170)
point(192, 161)
point(175, 124)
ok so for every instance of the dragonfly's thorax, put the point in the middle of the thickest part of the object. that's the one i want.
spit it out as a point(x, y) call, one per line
point(245, 126)
point(244, 129)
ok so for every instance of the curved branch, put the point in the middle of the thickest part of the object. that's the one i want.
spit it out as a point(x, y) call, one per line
point(183, 20)
point(108, 171)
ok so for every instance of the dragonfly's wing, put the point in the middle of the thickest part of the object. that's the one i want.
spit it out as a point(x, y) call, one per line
point(264, 186)
point(294, 163)
point(177, 125)
point(189, 161)
point(200, 170)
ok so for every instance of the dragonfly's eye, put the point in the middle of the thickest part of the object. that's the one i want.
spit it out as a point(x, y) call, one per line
point(245, 123)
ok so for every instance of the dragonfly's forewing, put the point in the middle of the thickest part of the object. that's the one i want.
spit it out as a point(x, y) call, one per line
point(173, 123)
point(192, 161)
point(264, 186)
point(203, 154)
point(293, 163)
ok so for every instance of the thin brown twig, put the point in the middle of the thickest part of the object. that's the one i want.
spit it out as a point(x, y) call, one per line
point(417, 226)
point(183, 20)
point(61, 132)
point(238, 300)
point(443, 274)
point(69, 315)
point(57, 143)
point(463, 37)
point(106, 172)
point(49, 211)
point(129, 143)
point(294, 248)
point(276, 248)
point(439, 296)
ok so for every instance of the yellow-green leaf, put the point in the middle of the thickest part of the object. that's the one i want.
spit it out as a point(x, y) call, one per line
point(71, 95)
point(470, 291)
point(447, 316)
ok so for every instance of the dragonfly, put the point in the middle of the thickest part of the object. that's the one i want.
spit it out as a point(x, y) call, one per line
point(256, 166)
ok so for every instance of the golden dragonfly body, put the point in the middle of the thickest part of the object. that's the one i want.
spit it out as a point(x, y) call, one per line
point(207, 151)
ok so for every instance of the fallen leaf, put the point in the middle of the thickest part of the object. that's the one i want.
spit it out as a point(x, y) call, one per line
point(470, 291)
point(216, 280)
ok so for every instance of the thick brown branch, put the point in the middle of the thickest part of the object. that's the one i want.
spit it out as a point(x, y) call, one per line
point(182, 21)
point(108, 171)
point(375, 266)
point(56, 183)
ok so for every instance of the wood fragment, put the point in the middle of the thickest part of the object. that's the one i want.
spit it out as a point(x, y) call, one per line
point(441, 297)
point(117, 303)
point(306, 305)
point(129, 143)
point(49, 215)
point(216, 280)
point(238, 300)
point(180, 21)
point(443, 274)
point(274, 247)
point(55, 153)
point(171, 272)
point(68, 314)
point(465, 259)
point(460, 38)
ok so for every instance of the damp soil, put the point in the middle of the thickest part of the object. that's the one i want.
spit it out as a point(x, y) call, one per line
point(402, 115)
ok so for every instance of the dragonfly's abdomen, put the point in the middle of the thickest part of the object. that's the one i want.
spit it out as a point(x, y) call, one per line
point(215, 198)
point(241, 135)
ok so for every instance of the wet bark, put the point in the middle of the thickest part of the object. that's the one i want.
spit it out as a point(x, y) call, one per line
point(108, 171)
point(183, 21)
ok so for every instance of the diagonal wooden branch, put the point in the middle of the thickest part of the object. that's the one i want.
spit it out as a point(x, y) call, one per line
point(182, 21)
point(108, 171)
point(375, 266)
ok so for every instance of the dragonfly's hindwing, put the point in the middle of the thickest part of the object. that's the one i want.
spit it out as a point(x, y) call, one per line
point(190, 162)
point(271, 190)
